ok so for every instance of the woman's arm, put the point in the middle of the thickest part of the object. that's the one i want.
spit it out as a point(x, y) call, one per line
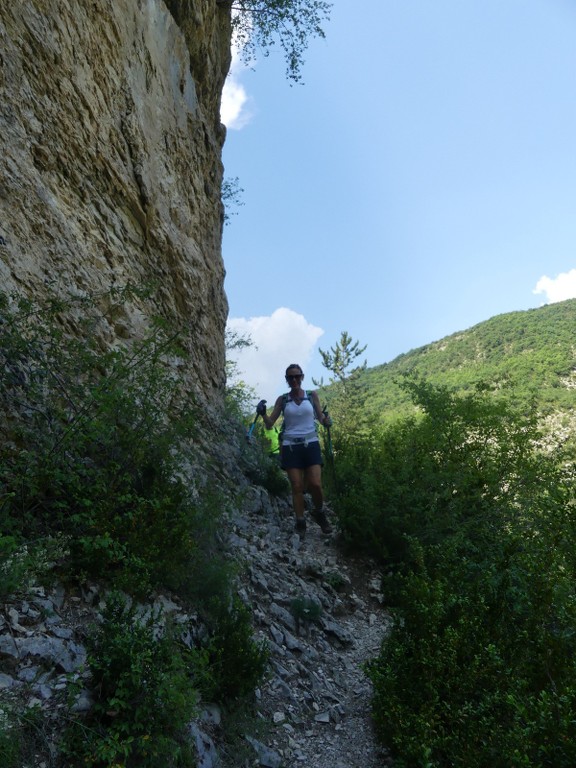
point(270, 420)
point(317, 408)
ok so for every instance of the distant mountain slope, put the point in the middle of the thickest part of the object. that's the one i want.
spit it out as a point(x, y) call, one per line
point(533, 351)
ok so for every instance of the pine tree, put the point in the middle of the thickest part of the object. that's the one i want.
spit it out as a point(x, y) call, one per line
point(345, 390)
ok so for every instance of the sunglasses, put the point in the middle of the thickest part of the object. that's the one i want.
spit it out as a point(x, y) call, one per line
point(294, 377)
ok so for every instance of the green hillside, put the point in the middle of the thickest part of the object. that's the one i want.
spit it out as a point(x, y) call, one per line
point(533, 352)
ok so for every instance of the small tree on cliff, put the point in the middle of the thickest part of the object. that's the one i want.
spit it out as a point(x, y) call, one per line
point(260, 24)
point(239, 395)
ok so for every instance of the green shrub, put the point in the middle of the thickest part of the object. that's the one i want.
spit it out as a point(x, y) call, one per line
point(10, 742)
point(148, 683)
point(473, 523)
point(236, 662)
point(479, 668)
point(466, 457)
point(23, 736)
point(273, 479)
point(145, 695)
point(12, 566)
point(305, 609)
point(23, 563)
point(94, 445)
point(95, 452)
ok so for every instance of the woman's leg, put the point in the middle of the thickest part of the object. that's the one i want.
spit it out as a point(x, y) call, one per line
point(296, 477)
point(313, 479)
point(313, 482)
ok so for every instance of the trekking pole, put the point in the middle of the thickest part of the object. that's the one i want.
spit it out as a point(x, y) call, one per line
point(330, 451)
point(260, 411)
point(251, 429)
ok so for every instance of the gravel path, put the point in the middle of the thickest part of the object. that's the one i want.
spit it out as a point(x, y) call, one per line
point(316, 700)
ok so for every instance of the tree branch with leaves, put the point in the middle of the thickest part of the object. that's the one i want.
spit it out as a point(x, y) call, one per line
point(339, 359)
point(345, 391)
point(258, 25)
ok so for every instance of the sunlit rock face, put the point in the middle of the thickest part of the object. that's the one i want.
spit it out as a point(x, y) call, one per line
point(110, 161)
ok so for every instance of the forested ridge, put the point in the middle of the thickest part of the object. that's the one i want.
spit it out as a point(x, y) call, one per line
point(531, 352)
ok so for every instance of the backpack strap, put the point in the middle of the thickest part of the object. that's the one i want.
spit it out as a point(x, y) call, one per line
point(286, 398)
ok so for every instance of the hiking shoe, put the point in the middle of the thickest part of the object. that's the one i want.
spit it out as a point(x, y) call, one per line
point(300, 527)
point(319, 516)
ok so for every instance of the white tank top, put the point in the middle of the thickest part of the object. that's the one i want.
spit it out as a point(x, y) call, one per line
point(299, 420)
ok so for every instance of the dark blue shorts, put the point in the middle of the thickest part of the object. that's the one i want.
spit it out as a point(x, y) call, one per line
point(301, 456)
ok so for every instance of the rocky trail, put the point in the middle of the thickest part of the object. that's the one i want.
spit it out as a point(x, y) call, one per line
point(321, 614)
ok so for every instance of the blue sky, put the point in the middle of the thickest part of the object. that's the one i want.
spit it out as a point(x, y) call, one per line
point(420, 181)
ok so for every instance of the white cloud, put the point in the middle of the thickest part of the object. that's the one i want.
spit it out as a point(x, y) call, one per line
point(283, 338)
point(234, 107)
point(559, 288)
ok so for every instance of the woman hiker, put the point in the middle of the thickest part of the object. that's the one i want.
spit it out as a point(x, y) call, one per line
point(300, 446)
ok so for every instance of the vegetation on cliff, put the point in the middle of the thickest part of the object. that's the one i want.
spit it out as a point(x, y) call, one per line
point(100, 478)
point(259, 24)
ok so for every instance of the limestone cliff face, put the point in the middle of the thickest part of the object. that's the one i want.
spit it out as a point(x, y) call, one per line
point(110, 169)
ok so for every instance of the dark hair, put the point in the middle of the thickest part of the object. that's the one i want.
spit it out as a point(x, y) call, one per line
point(294, 365)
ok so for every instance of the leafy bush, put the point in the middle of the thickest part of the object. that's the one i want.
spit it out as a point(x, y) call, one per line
point(95, 455)
point(148, 683)
point(473, 522)
point(94, 445)
point(145, 695)
point(10, 741)
point(265, 471)
point(23, 735)
point(12, 567)
point(305, 611)
point(465, 457)
point(479, 668)
point(25, 563)
point(260, 467)
point(236, 663)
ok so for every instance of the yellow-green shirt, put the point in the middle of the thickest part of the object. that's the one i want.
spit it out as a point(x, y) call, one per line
point(272, 436)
